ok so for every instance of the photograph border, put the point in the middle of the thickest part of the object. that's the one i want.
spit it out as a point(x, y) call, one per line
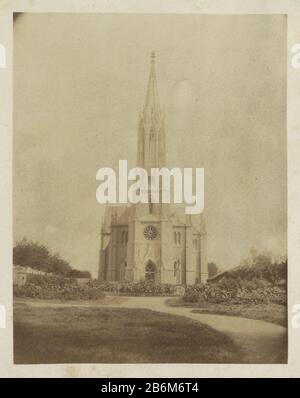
point(289, 8)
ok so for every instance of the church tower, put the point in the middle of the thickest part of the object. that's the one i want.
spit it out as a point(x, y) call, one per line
point(151, 140)
point(151, 135)
point(150, 229)
point(152, 241)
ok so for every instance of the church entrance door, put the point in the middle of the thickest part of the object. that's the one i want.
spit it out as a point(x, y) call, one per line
point(150, 272)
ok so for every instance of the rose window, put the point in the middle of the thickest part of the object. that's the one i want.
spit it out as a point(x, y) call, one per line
point(150, 232)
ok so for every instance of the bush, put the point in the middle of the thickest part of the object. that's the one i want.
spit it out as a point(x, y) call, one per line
point(257, 280)
point(54, 287)
point(235, 292)
point(141, 288)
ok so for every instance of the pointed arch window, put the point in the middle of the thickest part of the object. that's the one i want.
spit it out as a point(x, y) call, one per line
point(152, 135)
point(179, 238)
point(124, 237)
point(150, 270)
point(149, 196)
point(177, 271)
point(175, 267)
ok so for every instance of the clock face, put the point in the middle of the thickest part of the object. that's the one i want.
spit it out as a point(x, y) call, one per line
point(150, 232)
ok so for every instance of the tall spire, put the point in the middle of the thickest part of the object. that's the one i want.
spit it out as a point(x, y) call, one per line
point(151, 137)
point(151, 107)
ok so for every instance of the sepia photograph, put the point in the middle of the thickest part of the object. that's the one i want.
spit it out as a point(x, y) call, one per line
point(149, 188)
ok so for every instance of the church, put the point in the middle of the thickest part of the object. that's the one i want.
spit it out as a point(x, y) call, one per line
point(155, 242)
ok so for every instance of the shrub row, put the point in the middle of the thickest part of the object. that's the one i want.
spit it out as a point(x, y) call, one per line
point(235, 293)
point(46, 287)
point(142, 288)
point(56, 287)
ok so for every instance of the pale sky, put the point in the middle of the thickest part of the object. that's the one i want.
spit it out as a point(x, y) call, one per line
point(79, 85)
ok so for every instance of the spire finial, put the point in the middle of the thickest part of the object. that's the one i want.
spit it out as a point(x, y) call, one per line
point(151, 106)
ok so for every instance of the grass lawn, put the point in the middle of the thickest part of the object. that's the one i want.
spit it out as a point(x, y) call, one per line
point(274, 313)
point(114, 335)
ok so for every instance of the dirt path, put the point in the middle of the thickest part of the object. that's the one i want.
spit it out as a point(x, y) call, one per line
point(260, 342)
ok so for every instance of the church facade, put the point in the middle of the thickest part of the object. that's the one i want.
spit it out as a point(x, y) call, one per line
point(155, 242)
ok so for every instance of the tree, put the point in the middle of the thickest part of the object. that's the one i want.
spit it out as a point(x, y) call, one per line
point(34, 255)
point(212, 269)
point(262, 266)
point(75, 273)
